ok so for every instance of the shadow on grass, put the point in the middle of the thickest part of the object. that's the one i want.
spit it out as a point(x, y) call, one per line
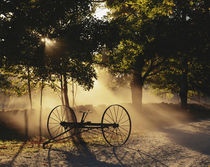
point(81, 156)
point(11, 163)
point(134, 157)
point(17, 154)
point(101, 155)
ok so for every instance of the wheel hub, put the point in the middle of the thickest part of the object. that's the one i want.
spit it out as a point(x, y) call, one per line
point(115, 125)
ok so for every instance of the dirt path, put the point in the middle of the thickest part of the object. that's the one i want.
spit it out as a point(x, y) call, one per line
point(182, 145)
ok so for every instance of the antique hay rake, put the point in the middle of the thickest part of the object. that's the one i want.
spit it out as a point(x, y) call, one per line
point(115, 124)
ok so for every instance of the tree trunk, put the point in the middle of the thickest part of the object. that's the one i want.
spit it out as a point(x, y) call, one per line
point(75, 131)
point(40, 114)
point(184, 80)
point(136, 91)
point(26, 123)
point(29, 87)
point(184, 84)
point(73, 94)
point(62, 92)
point(65, 91)
point(30, 100)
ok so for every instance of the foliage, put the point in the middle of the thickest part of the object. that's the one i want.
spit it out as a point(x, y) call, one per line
point(11, 81)
point(188, 33)
point(140, 50)
point(68, 22)
point(161, 41)
point(140, 46)
point(151, 40)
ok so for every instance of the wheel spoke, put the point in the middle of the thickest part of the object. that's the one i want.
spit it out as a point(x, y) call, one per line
point(116, 136)
point(57, 115)
point(125, 136)
point(120, 116)
point(125, 125)
point(124, 121)
point(123, 117)
point(110, 117)
point(61, 129)
point(55, 120)
point(53, 127)
point(62, 114)
point(111, 114)
point(117, 113)
point(108, 131)
point(55, 131)
point(107, 120)
point(122, 132)
point(112, 134)
point(124, 129)
point(120, 135)
point(53, 123)
point(114, 113)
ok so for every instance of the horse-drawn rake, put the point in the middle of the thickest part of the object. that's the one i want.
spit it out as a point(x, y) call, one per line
point(115, 124)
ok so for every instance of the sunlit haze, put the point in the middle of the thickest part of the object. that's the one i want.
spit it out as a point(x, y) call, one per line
point(101, 12)
point(48, 42)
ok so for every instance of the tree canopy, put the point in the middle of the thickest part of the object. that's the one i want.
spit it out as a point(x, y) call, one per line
point(163, 43)
point(156, 37)
point(24, 24)
point(140, 50)
point(187, 70)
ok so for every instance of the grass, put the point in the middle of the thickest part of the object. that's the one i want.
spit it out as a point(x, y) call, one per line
point(12, 147)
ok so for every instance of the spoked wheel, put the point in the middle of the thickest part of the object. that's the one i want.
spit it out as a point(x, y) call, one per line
point(56, 117)
point(116, 125)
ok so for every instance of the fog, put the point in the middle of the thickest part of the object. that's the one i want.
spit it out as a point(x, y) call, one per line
point(155, 114)
point(103, 92)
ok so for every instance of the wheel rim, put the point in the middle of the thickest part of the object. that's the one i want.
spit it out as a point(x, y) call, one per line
point(60, 114)
point(118, 135)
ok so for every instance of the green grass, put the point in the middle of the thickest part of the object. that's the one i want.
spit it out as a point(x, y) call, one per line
point(12, 147)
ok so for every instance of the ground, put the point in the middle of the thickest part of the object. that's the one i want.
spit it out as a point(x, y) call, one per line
point(185, 145)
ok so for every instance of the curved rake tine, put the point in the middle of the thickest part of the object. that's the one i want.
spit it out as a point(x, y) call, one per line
point(50, 140)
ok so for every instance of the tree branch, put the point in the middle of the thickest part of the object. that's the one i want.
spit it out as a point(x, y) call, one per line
point(152, 67)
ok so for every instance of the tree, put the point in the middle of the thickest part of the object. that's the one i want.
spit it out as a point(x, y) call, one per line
point(25, 24)
point(69, 23)
point(160, 36)
point(140, 49)
point(188, 32)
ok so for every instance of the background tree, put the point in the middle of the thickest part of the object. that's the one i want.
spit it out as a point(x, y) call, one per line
point(188, 36)
point(140, 50)
point(169, 36)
